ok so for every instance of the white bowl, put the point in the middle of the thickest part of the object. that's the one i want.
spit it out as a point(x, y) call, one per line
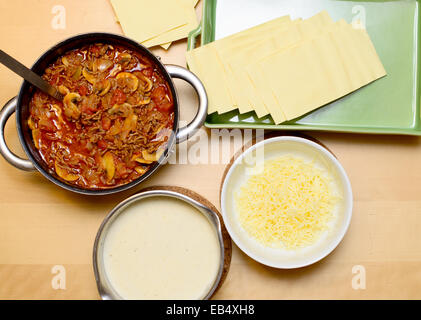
point(237, 176)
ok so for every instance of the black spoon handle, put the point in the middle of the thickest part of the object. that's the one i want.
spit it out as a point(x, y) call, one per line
point(29, 75)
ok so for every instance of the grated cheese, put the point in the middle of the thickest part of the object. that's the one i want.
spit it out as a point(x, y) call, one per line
point(288, 204)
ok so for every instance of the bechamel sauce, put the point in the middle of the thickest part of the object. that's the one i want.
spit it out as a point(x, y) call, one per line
point(161, 248)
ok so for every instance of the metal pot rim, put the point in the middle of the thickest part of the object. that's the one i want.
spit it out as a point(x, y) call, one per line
point(95, 38)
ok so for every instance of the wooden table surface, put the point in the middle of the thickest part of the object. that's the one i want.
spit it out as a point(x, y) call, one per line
point(43, 226)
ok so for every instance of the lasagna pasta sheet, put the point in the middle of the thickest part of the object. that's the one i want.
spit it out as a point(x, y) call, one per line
point(212, 77)
point(301, 85)
point(223, 50)
point(169, 20)
point(178, 33)
point(286, 68)
point(237, 54)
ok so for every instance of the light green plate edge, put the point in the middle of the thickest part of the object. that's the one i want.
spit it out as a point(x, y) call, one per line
point(206, 30)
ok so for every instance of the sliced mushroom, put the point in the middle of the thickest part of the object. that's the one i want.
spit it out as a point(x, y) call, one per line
point(140, 170)
point(64, 174)
point(142, 102)
point(102, 87)
point(101, 65)
point(147, 83)
point(65, 61)
point(129, 124)
point(124, 58)
point(139, 158)
point(63, 90)
point(71, 110)
point(88, 76)
point(152, 156)
point(109, 165)
point(123, 109)
point(129, 80)
point(36, 136)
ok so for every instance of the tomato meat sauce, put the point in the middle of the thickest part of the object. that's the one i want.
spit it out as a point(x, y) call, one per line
point(113, 123)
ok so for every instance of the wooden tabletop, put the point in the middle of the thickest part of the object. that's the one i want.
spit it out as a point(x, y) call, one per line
point(46, 231)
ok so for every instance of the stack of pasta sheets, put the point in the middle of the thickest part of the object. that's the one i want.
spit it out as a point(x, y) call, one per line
point(157, 22)
point(286, 68)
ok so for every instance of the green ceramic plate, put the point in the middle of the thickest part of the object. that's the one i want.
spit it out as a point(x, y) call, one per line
point(387, 106)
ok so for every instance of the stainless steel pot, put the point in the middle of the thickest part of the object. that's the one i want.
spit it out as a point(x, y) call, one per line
point(105, 288)
point(20, 105)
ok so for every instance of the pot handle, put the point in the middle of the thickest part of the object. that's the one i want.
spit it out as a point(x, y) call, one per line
point(184, 74)
point(14, 160)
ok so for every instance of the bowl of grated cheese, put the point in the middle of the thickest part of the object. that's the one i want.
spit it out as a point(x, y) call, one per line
point(286, 202)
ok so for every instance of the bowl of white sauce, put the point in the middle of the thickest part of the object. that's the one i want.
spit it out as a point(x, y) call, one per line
point(159, 245)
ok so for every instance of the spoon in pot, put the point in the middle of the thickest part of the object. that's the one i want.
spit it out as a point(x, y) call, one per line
point(29, 75)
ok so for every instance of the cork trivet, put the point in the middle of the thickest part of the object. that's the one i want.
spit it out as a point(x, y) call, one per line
point(266, 136)
point(225, 235)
